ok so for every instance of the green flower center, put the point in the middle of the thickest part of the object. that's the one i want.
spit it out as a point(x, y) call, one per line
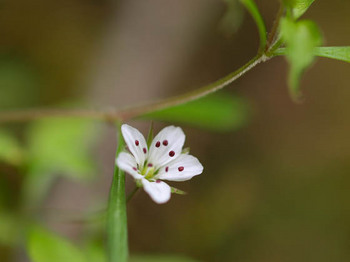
point(148, 171)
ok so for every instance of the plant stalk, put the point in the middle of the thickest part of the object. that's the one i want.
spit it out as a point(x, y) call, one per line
point(134, 111)
point(117, 232)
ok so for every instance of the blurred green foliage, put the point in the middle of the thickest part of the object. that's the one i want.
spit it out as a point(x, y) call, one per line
point(278, 192)
point(44, 246)
point(10, 150)
point(55, 147)
point(301, 38)
point(58, 147)
point(217, 112)
point(10, 226)
point(61, 146)
point(298, 7)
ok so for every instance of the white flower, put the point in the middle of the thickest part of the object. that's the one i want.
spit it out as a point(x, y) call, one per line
point(163, 160)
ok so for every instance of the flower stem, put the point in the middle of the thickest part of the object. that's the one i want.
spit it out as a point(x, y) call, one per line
point(132, 194)
point(117, 233)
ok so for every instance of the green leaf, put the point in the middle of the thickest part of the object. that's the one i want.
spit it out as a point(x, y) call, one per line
point(335, 52)
point(254, 12)
point(217, 112)
point(301, 38)
point(117, 232)
point(298, 7)
point(10, 150)
point(341, 53)
point(44, 246)
point(62, 146)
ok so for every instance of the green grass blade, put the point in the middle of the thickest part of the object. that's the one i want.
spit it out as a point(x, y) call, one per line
point(117, 234)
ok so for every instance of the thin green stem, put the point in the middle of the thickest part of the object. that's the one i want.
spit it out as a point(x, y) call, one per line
point(130, 196)
point(273, 35)
point(275, 46)
point(259, 21)
point(117, 233)
point(135, 111)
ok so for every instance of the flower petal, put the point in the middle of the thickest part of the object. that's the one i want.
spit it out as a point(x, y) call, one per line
point(181, 169)
point(159, 191)
point(127, 163)
point(136, 143)
point(166, 146)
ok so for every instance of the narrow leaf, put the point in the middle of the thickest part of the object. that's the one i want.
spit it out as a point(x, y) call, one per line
point(335, 52)
point(298, 7)
point(44, 246)
point(117, 234)
point(217, 112)
point(341, 53)
point(254, 12)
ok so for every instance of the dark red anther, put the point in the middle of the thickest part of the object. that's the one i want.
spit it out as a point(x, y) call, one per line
point(171, 153)
point(134, 168)
point(158, 144)
point(137, 142)
point(181, 168)
point(167, 169)
point(158, 181)
point(150, 165)
point(144, 150)
point(165, 143)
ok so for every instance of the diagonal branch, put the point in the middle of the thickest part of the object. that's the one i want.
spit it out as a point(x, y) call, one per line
point(134, 111)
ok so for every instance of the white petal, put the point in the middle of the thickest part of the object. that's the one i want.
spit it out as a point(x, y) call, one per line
point(181, 169)
point(127, 163)
point(159, 191)
point(136, 143)
point(166, 146)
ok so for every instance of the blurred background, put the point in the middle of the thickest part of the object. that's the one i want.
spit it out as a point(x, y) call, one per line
point(275, 185)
